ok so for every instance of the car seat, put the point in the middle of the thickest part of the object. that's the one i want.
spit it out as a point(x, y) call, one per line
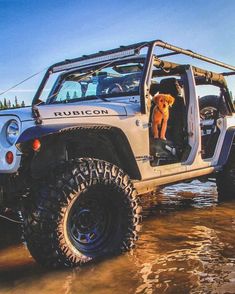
point(177, 123)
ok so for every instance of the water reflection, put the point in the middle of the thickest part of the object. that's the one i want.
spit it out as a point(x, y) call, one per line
point(186, 246)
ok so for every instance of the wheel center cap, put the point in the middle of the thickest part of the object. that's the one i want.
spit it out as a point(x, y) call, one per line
point(85, 218)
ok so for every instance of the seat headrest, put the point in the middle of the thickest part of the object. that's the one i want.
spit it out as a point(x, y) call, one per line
point(170, 86)
point(154, 88)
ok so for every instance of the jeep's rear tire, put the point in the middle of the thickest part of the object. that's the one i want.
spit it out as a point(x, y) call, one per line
point(85, 210)
point(208, 106)
point(225, 179)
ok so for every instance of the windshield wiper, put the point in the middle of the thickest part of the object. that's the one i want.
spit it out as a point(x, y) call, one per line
point(82, 100)
point(102, 98)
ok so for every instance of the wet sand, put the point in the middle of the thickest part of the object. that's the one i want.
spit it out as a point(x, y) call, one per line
point(187, 245)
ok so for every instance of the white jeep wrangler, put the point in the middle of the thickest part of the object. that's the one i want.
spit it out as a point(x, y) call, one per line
point(76, 162)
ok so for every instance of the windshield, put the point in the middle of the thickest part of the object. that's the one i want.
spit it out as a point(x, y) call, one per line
point(121, 79)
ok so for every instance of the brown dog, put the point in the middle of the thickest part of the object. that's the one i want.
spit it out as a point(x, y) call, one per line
point(161, 114)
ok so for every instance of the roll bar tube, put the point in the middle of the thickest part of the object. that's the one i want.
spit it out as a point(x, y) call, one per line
point(151, 44)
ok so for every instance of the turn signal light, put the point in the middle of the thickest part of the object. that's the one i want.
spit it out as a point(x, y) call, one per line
point(36, 145)
point(9, 157)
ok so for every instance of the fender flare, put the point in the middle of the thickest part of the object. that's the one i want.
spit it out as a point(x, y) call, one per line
point(229, 142)
point(122, 144)
point(40, 131)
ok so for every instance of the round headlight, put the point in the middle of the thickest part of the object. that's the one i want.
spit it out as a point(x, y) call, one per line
point(12, 131)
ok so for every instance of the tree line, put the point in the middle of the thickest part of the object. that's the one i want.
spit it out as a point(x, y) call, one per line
point(6, 103)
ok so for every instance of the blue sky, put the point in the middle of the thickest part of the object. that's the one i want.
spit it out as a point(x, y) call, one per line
point(37, 33)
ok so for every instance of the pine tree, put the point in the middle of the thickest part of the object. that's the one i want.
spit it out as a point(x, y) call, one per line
point(16, 102)
point(1, 105)
point(22, 104)
point(67, 96)
point(5, 103)
point(75, 95)
point(8, 104)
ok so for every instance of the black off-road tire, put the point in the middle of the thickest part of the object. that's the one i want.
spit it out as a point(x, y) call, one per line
point(86, 209)
point(209, 105)
point(225, 179)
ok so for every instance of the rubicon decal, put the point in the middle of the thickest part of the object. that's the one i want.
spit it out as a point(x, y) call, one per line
point(87, 112)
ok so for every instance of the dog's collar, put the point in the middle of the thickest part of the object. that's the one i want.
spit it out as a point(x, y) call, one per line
point(160, 110)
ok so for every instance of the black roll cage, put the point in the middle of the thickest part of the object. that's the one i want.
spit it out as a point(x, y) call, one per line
point(144, 89)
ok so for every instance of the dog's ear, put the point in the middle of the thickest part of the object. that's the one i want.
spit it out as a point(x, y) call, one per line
point(171, 100)
point(156, 98)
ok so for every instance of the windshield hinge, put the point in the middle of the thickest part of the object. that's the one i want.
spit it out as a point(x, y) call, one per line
point(36, 115)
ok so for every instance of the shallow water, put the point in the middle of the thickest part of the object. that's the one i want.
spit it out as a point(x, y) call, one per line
point(187, 245)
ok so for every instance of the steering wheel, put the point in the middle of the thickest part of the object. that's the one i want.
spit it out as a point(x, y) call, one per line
point(131, 82)
point(115, 88)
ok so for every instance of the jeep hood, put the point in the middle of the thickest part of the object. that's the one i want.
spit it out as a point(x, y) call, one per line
point(82, 110)
point(22, 113)
point(79, 109)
